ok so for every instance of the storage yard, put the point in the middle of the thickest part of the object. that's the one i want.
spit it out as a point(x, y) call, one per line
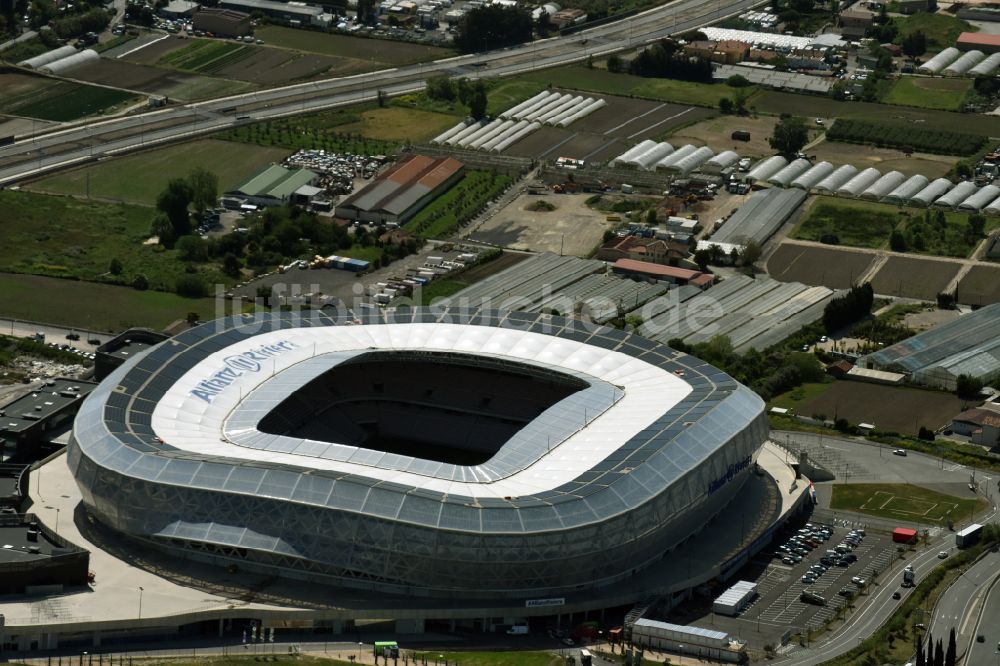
point(573, 228)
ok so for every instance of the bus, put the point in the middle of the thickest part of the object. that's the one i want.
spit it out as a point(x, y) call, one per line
point(586, 659)
point(387, 648)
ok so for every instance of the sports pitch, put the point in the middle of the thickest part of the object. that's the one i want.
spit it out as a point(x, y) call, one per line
point(903, 502)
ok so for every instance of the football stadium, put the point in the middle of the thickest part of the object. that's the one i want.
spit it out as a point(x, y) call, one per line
point(434, 453)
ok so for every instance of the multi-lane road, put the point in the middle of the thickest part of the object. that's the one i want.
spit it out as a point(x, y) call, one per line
point(93, 140)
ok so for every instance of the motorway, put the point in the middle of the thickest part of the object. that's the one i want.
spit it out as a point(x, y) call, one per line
point(971, 606)
point(91, 140)
point(987, 652)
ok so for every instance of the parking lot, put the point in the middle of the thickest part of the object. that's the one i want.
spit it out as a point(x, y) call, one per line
point(779, 606)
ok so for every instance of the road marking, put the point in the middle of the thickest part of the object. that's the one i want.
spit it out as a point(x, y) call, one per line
point(665, 120)
point(631, 120)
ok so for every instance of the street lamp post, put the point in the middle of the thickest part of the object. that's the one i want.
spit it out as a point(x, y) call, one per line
point(140, 603)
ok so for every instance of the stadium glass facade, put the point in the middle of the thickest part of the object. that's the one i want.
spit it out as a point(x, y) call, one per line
point(372, 529)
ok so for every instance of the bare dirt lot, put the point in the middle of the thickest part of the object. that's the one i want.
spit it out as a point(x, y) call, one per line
point(894, 408)
point(837, 269)
point(609, 131)
point(269, 66)
point(912, 277)
point(883, 159)
point(716, 133)
point(572, 228)
point(980, 286)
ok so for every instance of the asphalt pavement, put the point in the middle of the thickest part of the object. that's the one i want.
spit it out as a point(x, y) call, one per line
point(972, 607)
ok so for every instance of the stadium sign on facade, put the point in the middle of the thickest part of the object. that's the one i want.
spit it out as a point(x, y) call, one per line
point(238, 365)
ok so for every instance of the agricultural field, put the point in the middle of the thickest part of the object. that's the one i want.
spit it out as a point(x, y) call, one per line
point(891, 408)
point(139, 178)
point(50, 99)
point(929, 93)
point(175, 84)
point(914, 277)
point(72, 238)
point(399, 125)
point(579, 77)
point(844, 222)
point(903, 502)
point(99, 307)
point(202, 55)
point(810, 106)
point(903, 135)
point(378, 53)
point(463, 201)
point(501, 95)
point(980, 286)
point(837, 269)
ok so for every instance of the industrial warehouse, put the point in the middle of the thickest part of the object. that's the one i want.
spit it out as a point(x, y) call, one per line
point(400, 193)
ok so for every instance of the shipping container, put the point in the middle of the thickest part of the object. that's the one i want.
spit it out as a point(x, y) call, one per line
point(904, 535)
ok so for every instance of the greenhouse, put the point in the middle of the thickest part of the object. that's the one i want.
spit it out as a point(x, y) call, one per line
point(722, 161)
point(940, 61)
point(986, 67)
point(813, 176)
point(859, 183)
point(883, 186)
point(647, 159)
point(790, 172)
point(676, 156)
point(689, 163)
point(766, 168)
point(841, 175)
point(926, 196)
point(965, 63)
point(637, 149)
point(957, 195)
point(978, 201)
point(902, 194)
point(968, 345)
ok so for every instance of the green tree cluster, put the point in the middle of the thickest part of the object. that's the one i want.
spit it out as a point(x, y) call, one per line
point(665, 59)
point(790, 135)
point(849, 308)
point(493, 27)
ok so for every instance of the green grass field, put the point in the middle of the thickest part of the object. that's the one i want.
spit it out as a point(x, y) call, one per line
point(800, 395)
point(502, 95)
point(949, 239)
point(579, 77)
point(941, 30)
point(853, 223)
point(72, 238)
point(903, 502)
point(437, 289)
point(928, 93)
point(141, 177)
point(375, 51)
point(100, 307)
point(65, 101)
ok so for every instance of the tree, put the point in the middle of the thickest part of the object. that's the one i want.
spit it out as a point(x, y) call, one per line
point(950, 653)
point(750, 254)
point(543, 26)
point(915, 44)
point(925, 434)
point(790, 135)
point(977, 225)
point(737, 81)
point(231, 265)
point(968, 387)
point(163, 230)
point(938, 654)
point(615, 64)
point(366, 11)
point(191, 286)
point(726, 106)
point(920, 654)
point(204, 187)
point(115, 266)
point(173, 202)
point(897, 241)
point(440, 88)
point(493, 27)
point(478, 101)
point(191, 248)
point(140, 282)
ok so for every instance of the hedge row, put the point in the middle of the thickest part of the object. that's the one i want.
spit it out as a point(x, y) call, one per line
point(905, 136)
